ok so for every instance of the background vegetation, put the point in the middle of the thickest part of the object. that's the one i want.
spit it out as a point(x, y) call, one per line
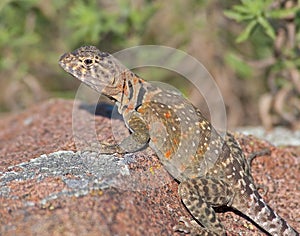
point(251, 47)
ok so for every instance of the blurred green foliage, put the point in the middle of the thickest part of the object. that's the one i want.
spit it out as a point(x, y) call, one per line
point(258, 13)
point(91, 22)
point(261, 21)
point(34, 33)
point(278, 24)
point(43, 23)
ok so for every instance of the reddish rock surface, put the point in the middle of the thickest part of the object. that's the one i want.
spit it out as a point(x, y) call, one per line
point(65, 194)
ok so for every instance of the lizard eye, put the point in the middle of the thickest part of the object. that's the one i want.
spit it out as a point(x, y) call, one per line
point(88, 62)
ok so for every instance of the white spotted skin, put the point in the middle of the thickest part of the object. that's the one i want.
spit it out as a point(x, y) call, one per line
point(211, 171)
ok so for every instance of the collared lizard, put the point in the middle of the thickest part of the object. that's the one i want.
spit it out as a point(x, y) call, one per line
point(212, 170)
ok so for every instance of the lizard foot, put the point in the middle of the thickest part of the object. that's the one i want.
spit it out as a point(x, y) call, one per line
point(185, 225)
point(191, 227)
point(253, 155)
point(250, 158)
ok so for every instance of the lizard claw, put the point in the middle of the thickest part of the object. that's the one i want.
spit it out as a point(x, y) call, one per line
point(184, 225)
point(253, 155)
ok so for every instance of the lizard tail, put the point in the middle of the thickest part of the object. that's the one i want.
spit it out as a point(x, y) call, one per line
point(265, 217)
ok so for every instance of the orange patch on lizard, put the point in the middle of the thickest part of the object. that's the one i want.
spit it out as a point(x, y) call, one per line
point(141, 110)
point(135, 80)
point(167, 114)
point(168, 154)
point(182, 167)
point(175, 141)
point(130, 107)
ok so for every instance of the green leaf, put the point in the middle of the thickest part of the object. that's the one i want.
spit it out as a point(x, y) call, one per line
point(237, 16)
point(233, 15)
point(237, 64)
point(246, 33)
point(268, 28)
point(241, 9)
point(282, 13)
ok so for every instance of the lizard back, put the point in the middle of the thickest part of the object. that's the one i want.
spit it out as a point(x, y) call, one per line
point(212, 171)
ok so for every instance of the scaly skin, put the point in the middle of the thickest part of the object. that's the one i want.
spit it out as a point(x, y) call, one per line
point(212, 171)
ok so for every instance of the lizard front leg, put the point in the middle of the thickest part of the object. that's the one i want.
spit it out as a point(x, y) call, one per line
point(137, 140)
point(200, 195)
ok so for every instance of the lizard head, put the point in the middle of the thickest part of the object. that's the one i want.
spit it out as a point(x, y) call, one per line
point(97, 69)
